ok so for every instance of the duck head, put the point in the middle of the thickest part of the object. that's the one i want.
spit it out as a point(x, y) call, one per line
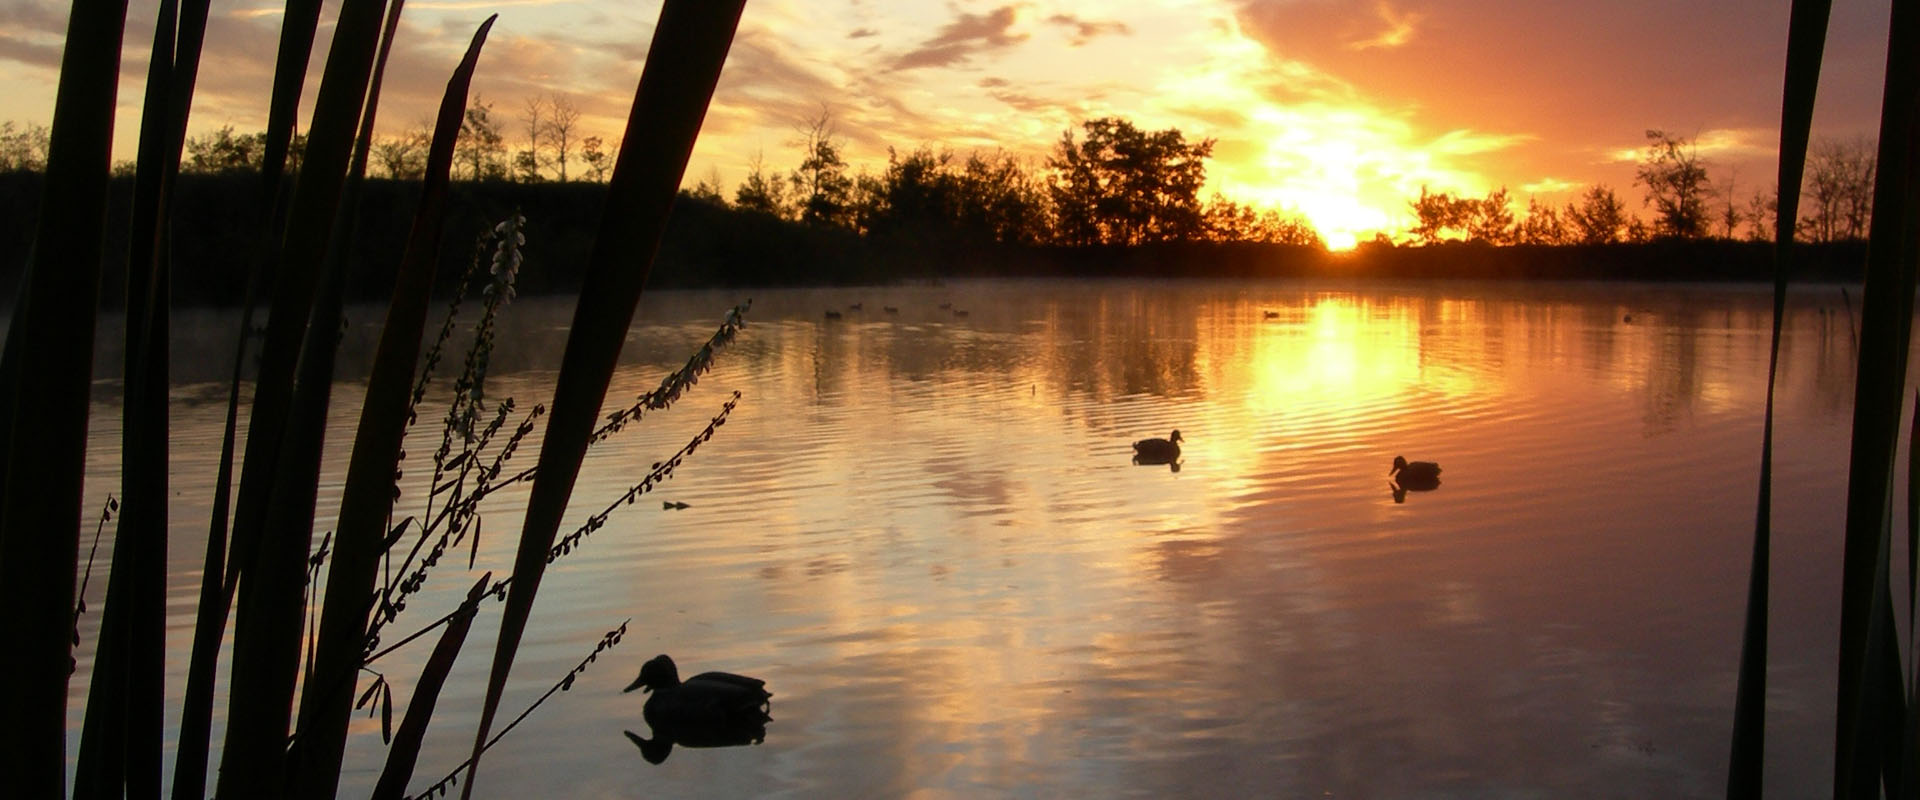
point(1399, 463)
point(658, 673)
point(1175, 437)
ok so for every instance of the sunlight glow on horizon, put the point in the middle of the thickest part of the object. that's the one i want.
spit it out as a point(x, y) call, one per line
point(1299, 129)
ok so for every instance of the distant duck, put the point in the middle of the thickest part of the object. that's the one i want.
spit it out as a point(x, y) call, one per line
point(1415, 474)
point(1157, 451)
point(854, 307)
point(1270, 314)
point(959, 312)
point(711, 709)
point(945, 306)
point(833, 315)
point(890, 309)
point(674, 505)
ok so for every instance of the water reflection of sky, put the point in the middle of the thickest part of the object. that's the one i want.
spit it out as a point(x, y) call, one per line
point(924, 532)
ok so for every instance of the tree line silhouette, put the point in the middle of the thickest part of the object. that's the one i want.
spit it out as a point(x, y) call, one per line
point(1110, 198)
point(1115, 184)
point(1683, 200)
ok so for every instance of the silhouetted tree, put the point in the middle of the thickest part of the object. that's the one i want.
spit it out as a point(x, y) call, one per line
point(23, 148)
point(820, 184)
point(760, 193)
point(1761, 208)
point(1490, 219)
point(1727, 213)
point(1000, 198)
point(404, 157)
point(916, 199)
point(599, 162)
point(562, 119)
point(1436, 214)
point(528, 161)
point(1676, 182)
point(1542, 225)
point(1599, 218)
point(1228, 221)
point(481, 148)
point(1839, 189)
point(224, 151)
point(1123, 185)
point(708, 188)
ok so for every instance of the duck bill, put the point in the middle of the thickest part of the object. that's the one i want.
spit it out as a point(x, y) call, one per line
point(637, 684)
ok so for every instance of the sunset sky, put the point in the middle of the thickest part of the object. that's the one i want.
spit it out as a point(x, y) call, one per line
point(1336, 110)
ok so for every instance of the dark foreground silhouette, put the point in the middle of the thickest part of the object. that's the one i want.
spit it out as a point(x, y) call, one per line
point(711, 709)
point(1412, 476)
point(1157, 451)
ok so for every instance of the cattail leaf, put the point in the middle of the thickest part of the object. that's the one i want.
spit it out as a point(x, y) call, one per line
point(1885, 327)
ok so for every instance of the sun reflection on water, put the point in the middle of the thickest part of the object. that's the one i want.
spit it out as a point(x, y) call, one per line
point(926, 534)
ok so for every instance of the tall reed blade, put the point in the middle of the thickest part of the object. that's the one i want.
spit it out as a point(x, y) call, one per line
point(1885, 321)
point(40, 513)
point(120, 745)
point(404, 753)
point(217, 585)
point(1806, 39)
point(683, 64)
point(268, 625)
point(366, 500)
point(282, 445)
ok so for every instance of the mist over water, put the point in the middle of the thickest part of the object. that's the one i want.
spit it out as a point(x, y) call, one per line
point(924, 531)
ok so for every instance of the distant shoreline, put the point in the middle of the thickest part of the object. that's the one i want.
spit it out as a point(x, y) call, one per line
point(710, 246)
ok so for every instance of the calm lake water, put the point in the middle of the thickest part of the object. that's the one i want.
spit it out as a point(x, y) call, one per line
point(924, 532)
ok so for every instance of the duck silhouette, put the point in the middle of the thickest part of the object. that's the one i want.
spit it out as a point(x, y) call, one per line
point(833, 315)
point(711, 709)
point(701, 701)
point(1270, 314)
point(1416, 475)
point(1157, 451)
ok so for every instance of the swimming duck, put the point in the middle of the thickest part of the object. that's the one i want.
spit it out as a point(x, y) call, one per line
point(709, 701)
point(1415, 474)
point(833, 315)
point(1270, 314)
point(890, 309)
point(1157, 451)
point(855, 306)
point(673, 505)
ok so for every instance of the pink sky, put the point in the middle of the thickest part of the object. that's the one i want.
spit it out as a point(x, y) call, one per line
point(1336, 110)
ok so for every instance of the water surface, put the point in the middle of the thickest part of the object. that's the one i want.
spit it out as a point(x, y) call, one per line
point(923, 530)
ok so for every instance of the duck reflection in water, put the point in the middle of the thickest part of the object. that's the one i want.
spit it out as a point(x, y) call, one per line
point(711, 709)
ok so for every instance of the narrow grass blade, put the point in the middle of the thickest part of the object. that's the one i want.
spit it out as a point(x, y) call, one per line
point(1806, 38)
point(689, 47)
point(367, 498)
point(270, 567)
point(122, 736)
point(217, 585)
point(1886, 318)
point(404, 753)
point(40, 513)
point(268, 621)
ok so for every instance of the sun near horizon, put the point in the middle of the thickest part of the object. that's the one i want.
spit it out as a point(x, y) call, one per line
point(1336, 112)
